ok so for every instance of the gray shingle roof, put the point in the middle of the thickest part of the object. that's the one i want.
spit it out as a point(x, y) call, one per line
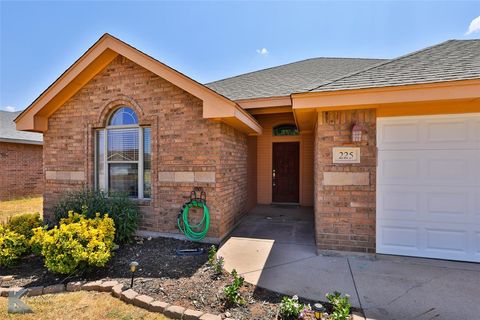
point(9, 133)
point(289, 78)
point(448, 61)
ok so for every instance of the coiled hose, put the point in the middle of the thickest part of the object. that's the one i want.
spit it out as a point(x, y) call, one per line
point(198, 231)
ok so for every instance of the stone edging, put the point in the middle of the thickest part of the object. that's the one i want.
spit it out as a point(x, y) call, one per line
point(119, 291)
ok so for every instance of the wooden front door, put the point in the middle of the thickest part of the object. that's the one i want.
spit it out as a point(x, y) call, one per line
point(286, 172)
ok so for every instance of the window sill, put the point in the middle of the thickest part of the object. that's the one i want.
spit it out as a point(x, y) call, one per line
point(143, 202)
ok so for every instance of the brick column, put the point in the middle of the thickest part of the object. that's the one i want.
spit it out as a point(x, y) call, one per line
point(345, 193)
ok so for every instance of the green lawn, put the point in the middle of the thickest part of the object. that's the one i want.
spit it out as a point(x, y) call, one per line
point(26, 205)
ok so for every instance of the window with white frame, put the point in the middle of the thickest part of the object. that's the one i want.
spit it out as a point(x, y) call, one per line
point(123, 156)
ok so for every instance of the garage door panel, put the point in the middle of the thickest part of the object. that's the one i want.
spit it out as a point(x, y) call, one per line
point(441, 132)
point(428, 186)
point(445, 131)
point(446, 240)
point(429, 167)
point(422, 239)
point(428, 203)
point(399, 237)
point(401, 133)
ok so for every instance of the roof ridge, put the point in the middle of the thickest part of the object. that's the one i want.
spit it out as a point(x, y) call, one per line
point(287, 64)
point(382, 64)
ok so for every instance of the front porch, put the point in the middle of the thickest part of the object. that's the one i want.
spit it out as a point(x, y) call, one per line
point(284, 224)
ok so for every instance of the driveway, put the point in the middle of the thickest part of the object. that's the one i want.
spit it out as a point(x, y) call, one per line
point(273, 247)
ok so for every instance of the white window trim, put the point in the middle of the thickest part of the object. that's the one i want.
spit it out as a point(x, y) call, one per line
point(139, 162)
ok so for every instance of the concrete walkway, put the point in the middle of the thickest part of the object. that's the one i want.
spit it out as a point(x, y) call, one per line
point(274, 248)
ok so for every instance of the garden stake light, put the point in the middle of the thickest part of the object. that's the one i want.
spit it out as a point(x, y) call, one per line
point(133, 269)
point(318, 310)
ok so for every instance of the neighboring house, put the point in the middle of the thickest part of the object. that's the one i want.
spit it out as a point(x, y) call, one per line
point(21, 154)
point(118, 119)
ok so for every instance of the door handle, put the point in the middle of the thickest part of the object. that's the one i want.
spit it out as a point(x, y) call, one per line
point(273, 173)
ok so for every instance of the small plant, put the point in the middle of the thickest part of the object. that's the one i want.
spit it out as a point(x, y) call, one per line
point(76, 243)
point(291, 308)
point(340, 306)
point(123, 210)
point(24, 223)
point(218, 265)
point(12, 247)
point(212, 255)
point(215, 262)
point(232, 291)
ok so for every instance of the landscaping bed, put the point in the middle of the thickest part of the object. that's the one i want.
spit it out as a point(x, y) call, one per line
point(187, 281)
point(82, 246)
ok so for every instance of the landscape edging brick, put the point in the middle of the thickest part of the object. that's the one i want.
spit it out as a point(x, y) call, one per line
point(156, 306)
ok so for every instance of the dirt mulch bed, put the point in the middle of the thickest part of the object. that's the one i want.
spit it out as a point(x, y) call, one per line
point(187, 281)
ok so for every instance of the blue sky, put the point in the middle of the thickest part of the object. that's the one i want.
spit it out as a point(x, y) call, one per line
point(213, 40)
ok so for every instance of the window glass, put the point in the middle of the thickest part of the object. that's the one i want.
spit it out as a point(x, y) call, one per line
point(285, 130)
point(100, 154)
point(147, 164)
point(123, 177)
point(123, 116)
point(122, 145)
point(118, 169)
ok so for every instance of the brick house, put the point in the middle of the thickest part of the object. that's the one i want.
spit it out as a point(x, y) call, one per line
point(387, 152)
point(21, 159)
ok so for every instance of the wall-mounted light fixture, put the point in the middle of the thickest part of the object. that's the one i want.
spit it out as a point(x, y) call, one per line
point(357, 131)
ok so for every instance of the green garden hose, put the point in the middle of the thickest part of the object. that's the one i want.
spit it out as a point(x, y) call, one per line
point(198, 231)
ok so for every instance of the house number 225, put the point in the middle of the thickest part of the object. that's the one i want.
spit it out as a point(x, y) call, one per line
point(346, 155)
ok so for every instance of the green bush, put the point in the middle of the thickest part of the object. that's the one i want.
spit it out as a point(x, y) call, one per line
point(24, 223)
point(340, 306)
point(291, 308)
point(12, 247)
point(77, 243)
point(123, 210)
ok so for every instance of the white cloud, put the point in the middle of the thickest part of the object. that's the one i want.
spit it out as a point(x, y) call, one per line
point(474, 26)
point(9, 108)
point(262, 51)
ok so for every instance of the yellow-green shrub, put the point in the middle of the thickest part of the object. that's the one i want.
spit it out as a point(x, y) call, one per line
point(76, 243)
point(24, 223)
point(12, 246)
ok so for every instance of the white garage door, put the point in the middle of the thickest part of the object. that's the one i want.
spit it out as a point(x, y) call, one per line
point(428, 186)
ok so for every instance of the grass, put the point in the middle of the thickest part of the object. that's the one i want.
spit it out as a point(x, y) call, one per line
point(78, 305)
point(18, 206)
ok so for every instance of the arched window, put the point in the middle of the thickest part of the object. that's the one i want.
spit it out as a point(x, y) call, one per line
point(285, 130)
point(123, 116)
point(123, 155)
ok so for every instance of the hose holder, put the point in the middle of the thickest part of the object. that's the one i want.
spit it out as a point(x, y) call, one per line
point(198, 198)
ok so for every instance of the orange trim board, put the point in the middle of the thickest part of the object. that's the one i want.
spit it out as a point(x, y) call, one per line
point(373, 97)
point(215, 106)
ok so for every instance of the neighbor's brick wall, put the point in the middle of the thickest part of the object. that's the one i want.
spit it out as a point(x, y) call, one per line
point(345, 215)
point(184, 145)
point(21, 170)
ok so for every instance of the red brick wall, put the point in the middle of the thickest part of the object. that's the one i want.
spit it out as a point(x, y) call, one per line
point(182, 142)
point(345, 215)
point(21, 171)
